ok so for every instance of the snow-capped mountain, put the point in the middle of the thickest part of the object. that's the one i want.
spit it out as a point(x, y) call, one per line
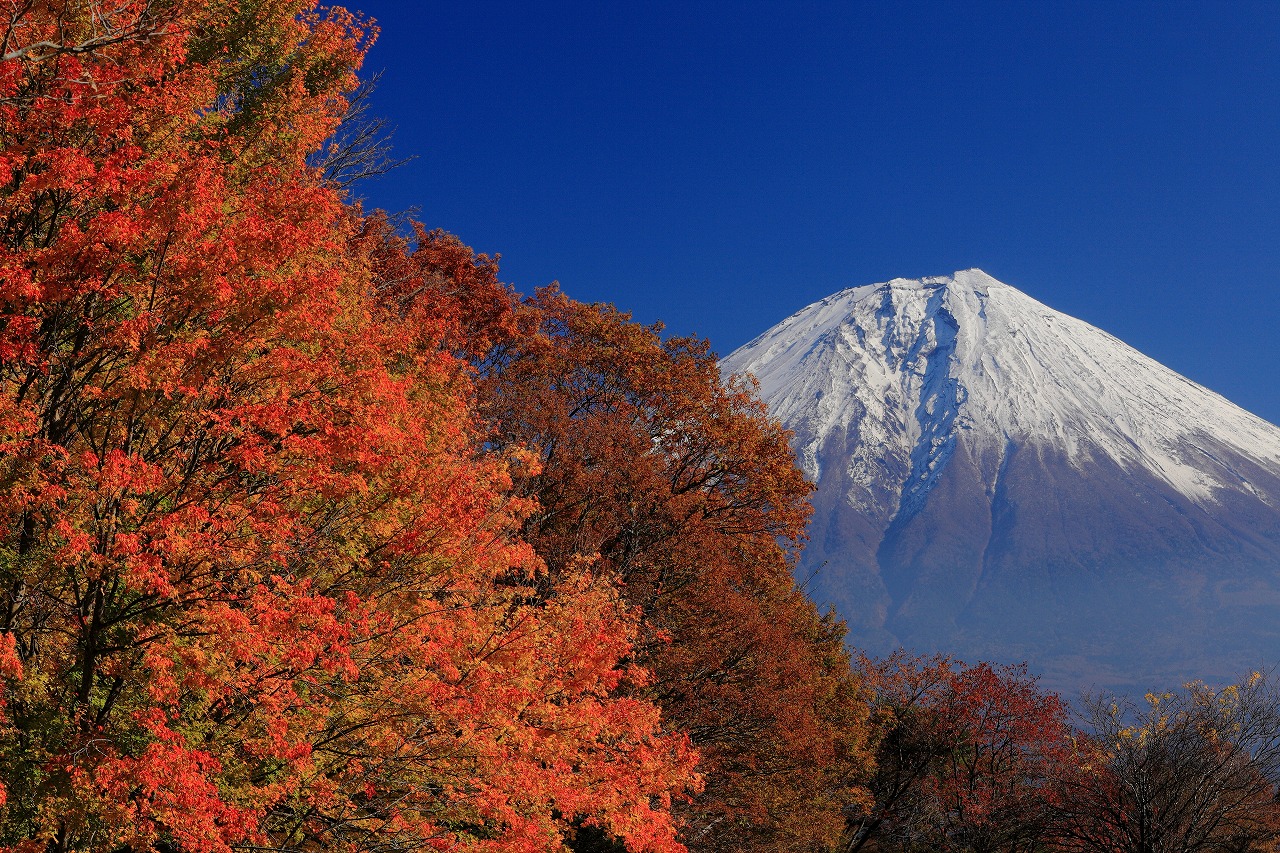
point(1001, 481)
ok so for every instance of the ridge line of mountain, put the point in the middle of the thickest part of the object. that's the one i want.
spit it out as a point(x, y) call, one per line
point(977, 453)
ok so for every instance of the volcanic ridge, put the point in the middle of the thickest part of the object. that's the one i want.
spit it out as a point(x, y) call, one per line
point(998, 480)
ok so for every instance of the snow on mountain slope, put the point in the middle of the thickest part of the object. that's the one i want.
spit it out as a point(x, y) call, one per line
point(1000, 477)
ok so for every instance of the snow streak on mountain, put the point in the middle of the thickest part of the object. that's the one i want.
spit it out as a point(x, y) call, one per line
point(999, 480)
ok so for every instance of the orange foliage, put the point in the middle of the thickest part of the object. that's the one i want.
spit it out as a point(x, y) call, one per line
point(681, 488)
point(259, 581)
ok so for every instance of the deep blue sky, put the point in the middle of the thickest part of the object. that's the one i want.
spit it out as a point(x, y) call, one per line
point(720, 165)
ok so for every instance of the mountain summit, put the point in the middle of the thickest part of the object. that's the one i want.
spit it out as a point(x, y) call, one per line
point(1002, 481)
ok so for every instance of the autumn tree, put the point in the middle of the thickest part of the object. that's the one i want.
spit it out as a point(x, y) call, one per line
point(674, 482)
point(261, 582)
point(1195, 770)
point(965, 758)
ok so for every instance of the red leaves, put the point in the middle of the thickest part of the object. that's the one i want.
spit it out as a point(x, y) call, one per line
point(685, 493)
point(260, 575)
point(966, 755)
point(167, 792)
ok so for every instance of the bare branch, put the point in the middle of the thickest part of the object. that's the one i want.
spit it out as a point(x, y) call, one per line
point(362, 147)
point(108, 30)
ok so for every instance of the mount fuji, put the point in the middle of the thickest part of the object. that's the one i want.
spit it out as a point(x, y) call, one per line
point(1001, 481)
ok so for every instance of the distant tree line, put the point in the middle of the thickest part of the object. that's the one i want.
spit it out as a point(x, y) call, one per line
point(977, 759)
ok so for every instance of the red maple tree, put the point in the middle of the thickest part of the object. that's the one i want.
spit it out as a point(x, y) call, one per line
point(261, 579)
point(967, 757)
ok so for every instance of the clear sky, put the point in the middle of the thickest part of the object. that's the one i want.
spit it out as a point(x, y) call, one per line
point(720, 165)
